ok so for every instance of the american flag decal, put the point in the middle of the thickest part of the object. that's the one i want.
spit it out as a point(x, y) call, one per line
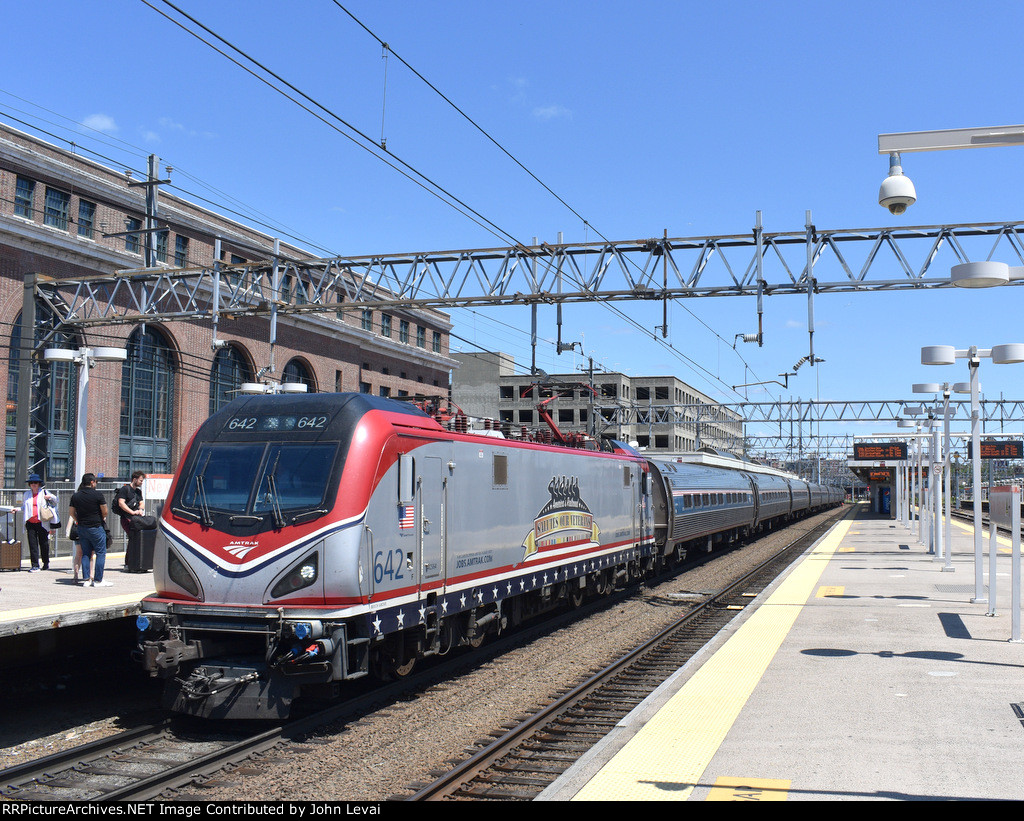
point(406, 514)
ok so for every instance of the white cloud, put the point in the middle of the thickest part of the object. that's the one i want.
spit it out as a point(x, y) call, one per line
point(101, 122)
point(173, 125)
point(552, 112)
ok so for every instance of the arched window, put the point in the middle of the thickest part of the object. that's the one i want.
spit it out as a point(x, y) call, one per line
point(147, 404)
point(230, 370)
point(298, 371)
point(52, 421)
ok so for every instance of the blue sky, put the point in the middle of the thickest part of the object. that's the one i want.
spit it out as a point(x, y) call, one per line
point(643, 117)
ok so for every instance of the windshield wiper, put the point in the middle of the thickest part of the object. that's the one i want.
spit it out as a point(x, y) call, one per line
point(204, 505)
point(274, 498)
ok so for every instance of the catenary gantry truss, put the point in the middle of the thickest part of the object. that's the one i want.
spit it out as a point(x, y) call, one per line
point(809, 261)
point(798, 425)
point(806, 262)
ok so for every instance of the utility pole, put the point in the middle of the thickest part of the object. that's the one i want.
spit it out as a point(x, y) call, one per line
point(151, 184)
point(25, 381)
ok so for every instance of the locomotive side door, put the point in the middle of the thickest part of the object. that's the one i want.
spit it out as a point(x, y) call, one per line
point(431, 488)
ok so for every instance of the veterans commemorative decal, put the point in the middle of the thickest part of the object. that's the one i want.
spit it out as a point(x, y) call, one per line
point(565, 518)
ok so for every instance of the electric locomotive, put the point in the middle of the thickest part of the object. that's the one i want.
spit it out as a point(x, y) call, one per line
point(309, 540)
point(312, 540)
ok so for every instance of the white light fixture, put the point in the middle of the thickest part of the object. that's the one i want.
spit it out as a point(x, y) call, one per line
point(294, 387)
point(1011, 354)
point(252, 388)
point(59, 355)
point(938, 355)
point(109, 354)
point(927, 387)
point(986, 274)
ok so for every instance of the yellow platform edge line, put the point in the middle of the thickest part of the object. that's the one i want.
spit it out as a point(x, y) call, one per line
point(28, 613)
point(986, 534)
point(659, 764)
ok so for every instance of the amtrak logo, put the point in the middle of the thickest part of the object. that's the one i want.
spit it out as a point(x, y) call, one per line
point(565, 518)
point(241, 549)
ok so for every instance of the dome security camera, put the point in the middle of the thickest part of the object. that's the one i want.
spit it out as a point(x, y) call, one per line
point(897, 192)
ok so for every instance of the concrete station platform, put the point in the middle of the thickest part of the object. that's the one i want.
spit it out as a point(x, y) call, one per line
point(49, 599)
point(865, 673)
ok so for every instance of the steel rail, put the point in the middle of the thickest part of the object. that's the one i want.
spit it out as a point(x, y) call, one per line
point(465, 771)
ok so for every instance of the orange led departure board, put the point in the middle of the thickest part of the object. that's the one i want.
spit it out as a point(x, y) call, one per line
point(1006, 449)
point(879, 451)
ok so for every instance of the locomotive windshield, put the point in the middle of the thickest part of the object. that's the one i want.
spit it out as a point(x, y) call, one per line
point(259, 478)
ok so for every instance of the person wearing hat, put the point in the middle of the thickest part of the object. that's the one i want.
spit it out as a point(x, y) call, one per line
point(40, 509)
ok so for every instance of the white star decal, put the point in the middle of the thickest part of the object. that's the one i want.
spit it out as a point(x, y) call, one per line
point(376, 624)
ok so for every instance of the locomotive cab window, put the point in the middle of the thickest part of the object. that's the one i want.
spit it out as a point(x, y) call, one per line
point(259, 478)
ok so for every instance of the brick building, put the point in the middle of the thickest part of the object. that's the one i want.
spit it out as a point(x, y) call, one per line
point(65, 216)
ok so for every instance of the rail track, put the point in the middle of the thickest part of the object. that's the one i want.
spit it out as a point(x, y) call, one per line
point(525, 759)
point(155, 760)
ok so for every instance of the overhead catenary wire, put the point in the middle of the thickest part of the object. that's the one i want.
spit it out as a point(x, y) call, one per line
point(140, 153)
point(276, 228)
point(586, 223)
point(328, 115)
point(419, 178)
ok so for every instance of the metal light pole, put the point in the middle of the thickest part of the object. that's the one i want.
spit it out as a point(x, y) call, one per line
point(85, 358)
point(1001, 355)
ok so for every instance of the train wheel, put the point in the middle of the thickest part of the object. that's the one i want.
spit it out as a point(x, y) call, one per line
point(576, 596)
point(602, 587)
point(402, 670)
point(387, 668)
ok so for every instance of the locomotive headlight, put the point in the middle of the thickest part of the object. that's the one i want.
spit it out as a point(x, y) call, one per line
point(180, 574)
point(301, 575)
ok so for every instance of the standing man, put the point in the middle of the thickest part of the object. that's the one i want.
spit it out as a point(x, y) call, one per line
point(89, 510)
point(40, 509)
point(129, 500)
point(128, 503)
